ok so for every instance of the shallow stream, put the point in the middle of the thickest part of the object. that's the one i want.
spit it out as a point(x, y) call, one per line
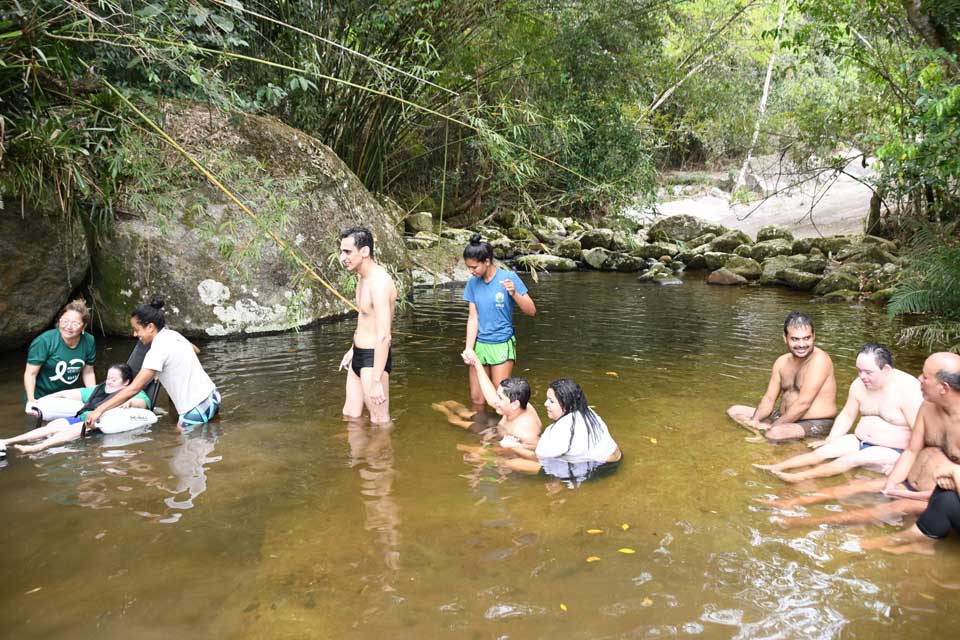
point(280, 522)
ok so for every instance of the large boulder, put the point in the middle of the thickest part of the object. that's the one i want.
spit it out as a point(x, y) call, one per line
point(219, 270)
point(770, 248)
point(503, 248)
point(545, 262)
point(593, 238)
point(746, 267)
point(725, 277)
point(774, 232)
point(44, 258)
point(865, 252)
point(729, 241)
point(701, 240)
point(682, 228)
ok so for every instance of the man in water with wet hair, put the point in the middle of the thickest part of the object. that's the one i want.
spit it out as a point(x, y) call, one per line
point(803, 379)
point(938, 425)
point(368, 361)
point(886, 400)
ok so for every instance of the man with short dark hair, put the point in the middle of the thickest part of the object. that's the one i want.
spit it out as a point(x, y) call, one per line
point(368, 361)
point(886, 400)
point(803, 380)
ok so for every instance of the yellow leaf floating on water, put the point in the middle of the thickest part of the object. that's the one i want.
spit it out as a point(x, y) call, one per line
point(653, 441)
point(927, 596)
point(33, 590)
point(625, 526)
point(594, 532)
point(613, 374)
point(592, 558)
point(647, 602)
point(626, 550)
point(563, 607)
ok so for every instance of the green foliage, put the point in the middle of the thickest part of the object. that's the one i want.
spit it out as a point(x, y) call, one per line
point(930, 287)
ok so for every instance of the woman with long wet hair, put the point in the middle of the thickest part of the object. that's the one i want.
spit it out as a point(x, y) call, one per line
point(576, 446)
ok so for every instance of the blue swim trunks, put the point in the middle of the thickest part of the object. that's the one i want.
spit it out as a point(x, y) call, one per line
point(203, 412)
point(864, 444)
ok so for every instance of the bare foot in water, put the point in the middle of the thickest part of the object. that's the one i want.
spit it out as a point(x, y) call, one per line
point(923, 547)
point(25, 448)
point(453, 416)
point(766, 467)
point(792, 478)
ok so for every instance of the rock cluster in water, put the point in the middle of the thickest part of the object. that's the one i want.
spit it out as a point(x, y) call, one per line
point(831, 268)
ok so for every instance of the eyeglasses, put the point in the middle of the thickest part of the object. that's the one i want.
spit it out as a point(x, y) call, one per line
point(72, 324)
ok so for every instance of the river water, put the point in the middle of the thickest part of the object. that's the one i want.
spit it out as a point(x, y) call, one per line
point(281, 521)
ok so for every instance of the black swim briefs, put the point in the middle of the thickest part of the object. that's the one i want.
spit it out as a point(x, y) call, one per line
point(363, 358)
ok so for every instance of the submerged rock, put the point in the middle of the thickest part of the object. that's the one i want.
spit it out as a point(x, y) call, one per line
point(837, 281)
point(725, 277)
point(798, 280)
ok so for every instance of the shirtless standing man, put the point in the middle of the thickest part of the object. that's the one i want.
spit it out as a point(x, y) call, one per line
point(804, 380)
point(887, 401)
point(938, 425)
point(369, 360)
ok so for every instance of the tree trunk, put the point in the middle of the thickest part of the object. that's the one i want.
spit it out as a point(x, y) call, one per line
point(741, 177)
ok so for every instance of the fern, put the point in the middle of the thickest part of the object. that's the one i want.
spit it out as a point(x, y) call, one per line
point(930, 286)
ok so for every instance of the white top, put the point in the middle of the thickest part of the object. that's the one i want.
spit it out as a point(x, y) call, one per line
point(180, 372)
point(555, 441)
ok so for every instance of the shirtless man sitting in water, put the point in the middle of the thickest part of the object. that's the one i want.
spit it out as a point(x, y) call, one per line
point(938, 426)
point(887, 401)
point(519, 422)
point(804, 381)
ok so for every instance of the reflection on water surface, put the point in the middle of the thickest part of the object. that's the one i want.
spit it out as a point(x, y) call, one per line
point(284, 520)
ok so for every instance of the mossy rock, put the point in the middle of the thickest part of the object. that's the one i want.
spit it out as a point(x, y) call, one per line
point(837, 281)
point(798, 280)
point(701, 240)
point(682, 228)
point(774, 232)
point(729, 241)
point(219, 273)
point(830, 245)
point(770, 267)
point(569, 248)
point(655, 250)
point(770, 248)
point(715, 259)
point(522, 234)
point(841, 295)
point(882, 296)
point(746, 267)
point(744, 251)
point(594, 238)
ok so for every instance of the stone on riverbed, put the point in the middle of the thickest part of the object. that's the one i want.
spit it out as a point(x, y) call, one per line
point(682, 228)
point(841, 295)
point(746, 267)
point(546, 262)
point(701, 240)
point(798, 280)
point(725, 277)
point(655, 250)
point(569, 248)
point(770, 248)
point(729, 241)
point(420, 221)
point(594, 238)
point(604, 260)
point(774, 232)
point(838, 280)
point(865, 252)
point(715, 260)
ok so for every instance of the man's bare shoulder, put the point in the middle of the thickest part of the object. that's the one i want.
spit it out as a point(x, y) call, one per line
point(904, 381)
point(782, 362)
point(857, 388)
point(380, 279)
point(822, 358)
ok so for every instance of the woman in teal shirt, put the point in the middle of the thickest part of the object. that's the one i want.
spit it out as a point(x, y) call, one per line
point(61, 358)
point(492, 292)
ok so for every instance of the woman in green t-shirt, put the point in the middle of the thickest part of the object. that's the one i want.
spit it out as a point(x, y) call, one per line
point(67, 429)
point(61, 358)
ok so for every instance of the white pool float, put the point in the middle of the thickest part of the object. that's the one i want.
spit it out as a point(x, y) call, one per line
point(120, 420)
point(50, 408)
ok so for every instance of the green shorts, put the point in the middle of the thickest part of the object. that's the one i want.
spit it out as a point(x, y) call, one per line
point(497, 353)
